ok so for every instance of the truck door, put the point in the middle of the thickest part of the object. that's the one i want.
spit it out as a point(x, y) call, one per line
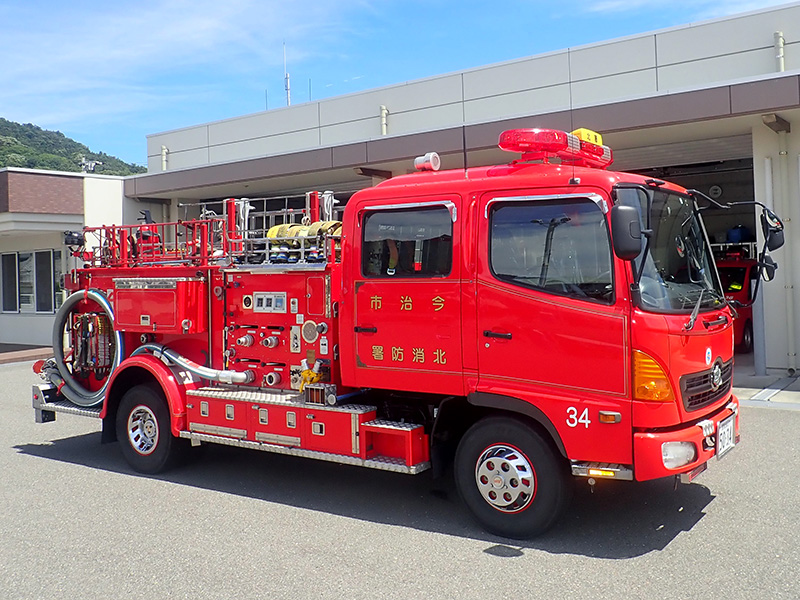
point(407, 318)
point(552, 317)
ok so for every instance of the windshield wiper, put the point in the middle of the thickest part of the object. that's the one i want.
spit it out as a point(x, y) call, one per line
point(690, 323)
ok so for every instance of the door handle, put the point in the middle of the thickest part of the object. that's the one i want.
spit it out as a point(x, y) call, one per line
point(365, 329)
point(494, 334)
point(722, 320)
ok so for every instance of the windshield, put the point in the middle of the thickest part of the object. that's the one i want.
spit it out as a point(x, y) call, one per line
point(677, 272)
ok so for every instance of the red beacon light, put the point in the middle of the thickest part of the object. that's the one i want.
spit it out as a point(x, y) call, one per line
point(582, 147)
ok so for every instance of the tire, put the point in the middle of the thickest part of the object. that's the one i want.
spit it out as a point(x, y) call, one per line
point(746, 347)
point(491, 465)
point(143, 430)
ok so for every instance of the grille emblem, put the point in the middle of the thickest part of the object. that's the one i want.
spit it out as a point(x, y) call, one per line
point(716, 377)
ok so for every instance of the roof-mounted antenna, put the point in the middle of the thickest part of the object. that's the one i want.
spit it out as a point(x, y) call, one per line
point(286, 78)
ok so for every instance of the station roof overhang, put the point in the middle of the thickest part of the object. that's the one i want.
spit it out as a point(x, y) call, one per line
point(684, 126)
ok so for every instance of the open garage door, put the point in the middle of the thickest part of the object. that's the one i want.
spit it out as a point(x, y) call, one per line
point(722, 168)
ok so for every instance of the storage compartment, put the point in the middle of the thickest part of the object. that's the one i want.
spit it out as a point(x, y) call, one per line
point(163, 305)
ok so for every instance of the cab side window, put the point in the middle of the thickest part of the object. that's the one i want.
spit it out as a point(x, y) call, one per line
point(562, 247)
point(407, 243)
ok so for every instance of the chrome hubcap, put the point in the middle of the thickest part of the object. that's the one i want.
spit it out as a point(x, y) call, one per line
point(505, 478)
point(143, 430)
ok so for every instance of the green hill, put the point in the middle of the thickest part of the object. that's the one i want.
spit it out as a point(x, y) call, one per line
point(32, 147)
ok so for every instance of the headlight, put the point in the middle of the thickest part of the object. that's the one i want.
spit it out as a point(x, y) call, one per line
point(677, 454)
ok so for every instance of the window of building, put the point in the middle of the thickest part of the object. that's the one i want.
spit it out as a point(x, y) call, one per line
point(562, 247)
point(58, 272)
point(10, 291)
point(26, 281)
point(43, 270)
point(408, 243)
point(31, 281)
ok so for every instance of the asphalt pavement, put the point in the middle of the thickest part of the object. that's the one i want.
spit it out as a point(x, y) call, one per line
point(76, 522)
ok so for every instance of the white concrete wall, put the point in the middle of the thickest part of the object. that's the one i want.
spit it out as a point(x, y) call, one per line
point(687, 57)
point(776, 171)
point(102, 201)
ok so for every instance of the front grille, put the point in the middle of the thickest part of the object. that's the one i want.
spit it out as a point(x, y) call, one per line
point(697, 391)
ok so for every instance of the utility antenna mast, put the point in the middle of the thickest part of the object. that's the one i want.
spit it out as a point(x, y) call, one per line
point(286, 78)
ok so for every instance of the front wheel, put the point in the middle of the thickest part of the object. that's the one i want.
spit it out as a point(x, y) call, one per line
point(143, 430)
point(511, 478)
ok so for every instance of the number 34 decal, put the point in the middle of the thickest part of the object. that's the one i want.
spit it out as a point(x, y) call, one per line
point(573, 420)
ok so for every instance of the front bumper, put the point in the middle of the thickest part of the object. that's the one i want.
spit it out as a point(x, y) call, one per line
point(647, 456)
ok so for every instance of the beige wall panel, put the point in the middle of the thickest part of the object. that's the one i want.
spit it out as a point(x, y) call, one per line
point(521, 103)
point(533, 73)
point(723, 68)
point(437, 117)
point(263, 124)
point(617, 57)
point(399, 98)
point(728, 36)
point(614, 87)
point(182, 160)
point(343, 133)
point(274, 144)
point(792, 56)
point(177, 141)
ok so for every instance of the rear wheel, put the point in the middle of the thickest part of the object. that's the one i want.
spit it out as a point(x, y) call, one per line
point(511, 478)
point(143, 429)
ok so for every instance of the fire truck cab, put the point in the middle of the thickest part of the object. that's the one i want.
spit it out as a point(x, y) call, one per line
point(525, 323)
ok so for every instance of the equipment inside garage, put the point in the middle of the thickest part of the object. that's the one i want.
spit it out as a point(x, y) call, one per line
point(726, 181)
point(732, 232)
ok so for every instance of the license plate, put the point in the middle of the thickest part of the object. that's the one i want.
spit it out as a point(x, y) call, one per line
point(726, 433)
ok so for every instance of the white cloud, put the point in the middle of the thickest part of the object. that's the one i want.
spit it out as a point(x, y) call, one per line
point(64, 60)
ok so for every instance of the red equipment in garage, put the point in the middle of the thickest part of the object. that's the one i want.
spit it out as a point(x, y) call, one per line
point(739, 275)
point(523, 322)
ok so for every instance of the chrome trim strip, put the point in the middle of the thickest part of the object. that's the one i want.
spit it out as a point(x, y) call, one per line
point(622, 472)
point(355, 436)
point(274, 438)
point(287, 398)
point(151, 283)
point(217, 430)
point(596, 198)
point(446, 203)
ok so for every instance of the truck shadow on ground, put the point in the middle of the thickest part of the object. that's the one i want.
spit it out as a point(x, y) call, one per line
point(619, 520)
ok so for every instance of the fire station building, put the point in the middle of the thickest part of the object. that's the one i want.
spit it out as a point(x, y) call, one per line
point(713, 106)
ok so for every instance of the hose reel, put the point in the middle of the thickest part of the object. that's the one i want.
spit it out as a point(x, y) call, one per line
point(93, 337)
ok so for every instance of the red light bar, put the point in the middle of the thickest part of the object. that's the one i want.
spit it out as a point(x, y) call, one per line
point(533, 140)
point(540, 144)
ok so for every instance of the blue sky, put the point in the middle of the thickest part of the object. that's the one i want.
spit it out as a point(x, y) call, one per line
point(109, 76)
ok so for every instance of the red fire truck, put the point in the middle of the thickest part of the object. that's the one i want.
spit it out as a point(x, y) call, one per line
point(739, 276)
point(525, 323)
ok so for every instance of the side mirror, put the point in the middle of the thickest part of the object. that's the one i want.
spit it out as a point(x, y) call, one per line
point(772, 227)
point(626, 231)
point(768, 268)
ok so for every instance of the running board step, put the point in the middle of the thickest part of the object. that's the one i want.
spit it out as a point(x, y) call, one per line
point(383, 463)
point(45, 409)
point(393, 438)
